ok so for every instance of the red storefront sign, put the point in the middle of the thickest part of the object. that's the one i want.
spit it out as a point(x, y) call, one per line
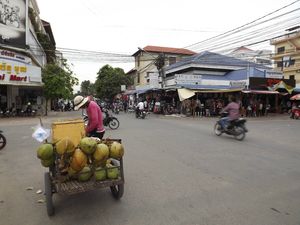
point(17, 78)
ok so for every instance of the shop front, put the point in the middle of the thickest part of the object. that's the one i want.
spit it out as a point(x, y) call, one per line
point(20, 83)
point(271, 92)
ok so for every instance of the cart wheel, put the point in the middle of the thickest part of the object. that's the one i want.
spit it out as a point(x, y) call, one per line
point(117, 191)
point(48, 193)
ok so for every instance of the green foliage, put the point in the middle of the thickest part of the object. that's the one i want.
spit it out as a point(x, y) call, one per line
point(87, 88)
point(48, 47)
point(109, 81)
point(43, 39)
point(59, 81)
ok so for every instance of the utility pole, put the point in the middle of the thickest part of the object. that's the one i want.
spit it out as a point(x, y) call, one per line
point(160, 63)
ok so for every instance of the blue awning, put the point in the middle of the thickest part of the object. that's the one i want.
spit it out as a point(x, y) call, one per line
point(147, 90)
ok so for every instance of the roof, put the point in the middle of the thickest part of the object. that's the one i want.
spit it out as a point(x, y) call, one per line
point(159, 49)
point(131, 71)
point(214, 59)
point(242, 48)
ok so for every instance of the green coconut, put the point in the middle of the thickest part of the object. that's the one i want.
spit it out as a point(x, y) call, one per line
point(116, 150)
point(100, 174)
point(47, 162)
point(85, 174)
point(45, 151)
point(88, 145)
point(112, 172)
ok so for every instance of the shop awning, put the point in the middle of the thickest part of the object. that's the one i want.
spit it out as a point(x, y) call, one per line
point(218, 90)
point(129, 92)
point(260, 92)
point(184, 93)
point(24, 84)
point(282, 85)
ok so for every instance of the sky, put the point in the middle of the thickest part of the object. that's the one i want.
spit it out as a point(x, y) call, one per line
point(118, 26)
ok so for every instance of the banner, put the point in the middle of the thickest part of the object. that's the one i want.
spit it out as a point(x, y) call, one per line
point(13, 15)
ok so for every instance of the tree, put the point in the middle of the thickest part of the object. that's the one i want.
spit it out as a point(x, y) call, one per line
point(109, 81)
point(58, 82)
point(87, 88)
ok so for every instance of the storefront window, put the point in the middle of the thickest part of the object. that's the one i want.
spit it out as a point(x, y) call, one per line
point(29, 95)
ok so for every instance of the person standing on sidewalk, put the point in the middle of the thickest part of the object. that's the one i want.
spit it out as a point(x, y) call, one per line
point(95, 126)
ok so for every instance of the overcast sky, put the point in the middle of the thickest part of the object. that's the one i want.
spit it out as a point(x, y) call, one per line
point(121, 26)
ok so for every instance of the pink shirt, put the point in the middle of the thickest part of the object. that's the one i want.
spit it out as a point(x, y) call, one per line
point(95, 118)
point(233, 109)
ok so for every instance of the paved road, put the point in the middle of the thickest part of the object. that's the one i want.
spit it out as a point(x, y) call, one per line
point(177, 172)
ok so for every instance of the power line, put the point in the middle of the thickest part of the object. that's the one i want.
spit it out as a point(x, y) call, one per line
point(235, 29)
point(253, 32)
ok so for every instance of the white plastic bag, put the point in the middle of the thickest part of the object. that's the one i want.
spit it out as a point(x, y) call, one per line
point(40, 134)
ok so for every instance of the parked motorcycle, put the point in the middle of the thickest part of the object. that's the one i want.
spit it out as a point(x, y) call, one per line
point(2, 140)
point(236, 128)
point(109, 120)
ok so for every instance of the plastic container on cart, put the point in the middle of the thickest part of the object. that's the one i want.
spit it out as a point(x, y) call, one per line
point(73, 129)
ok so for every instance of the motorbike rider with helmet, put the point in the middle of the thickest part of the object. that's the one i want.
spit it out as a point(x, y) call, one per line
point(233, 113)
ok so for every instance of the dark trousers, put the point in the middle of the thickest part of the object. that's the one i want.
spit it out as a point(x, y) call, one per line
point(97, 134)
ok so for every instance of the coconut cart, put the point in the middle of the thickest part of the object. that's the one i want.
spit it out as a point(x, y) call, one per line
point(56, 182)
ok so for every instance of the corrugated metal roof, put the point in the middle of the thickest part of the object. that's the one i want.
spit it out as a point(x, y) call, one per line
point(210, 58)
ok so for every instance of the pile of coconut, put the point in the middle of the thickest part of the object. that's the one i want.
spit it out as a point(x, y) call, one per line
point(91, 159)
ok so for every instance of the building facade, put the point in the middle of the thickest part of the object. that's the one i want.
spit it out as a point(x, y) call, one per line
point(147, 75)
point(208, 70)
point(257, 56)
point(22, 56)
point(287, 55)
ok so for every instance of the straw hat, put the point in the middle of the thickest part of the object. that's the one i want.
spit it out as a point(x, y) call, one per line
point(79, 101)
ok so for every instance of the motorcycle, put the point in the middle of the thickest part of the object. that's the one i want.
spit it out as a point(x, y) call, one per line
point(109, 120)
point(295, 113)
point(236, 128)
point(2, 140)
point(140, 114)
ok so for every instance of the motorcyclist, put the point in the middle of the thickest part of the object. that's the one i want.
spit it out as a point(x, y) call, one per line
point(29, 109)
point(139, 108)
point(233, 113)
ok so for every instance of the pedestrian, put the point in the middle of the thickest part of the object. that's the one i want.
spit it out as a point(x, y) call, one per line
point(268, 106)
point(95, 126)
point(261, 106)
point(197, 109)
point(249, 110)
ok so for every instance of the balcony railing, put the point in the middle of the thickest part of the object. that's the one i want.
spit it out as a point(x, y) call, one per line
point(285, 37)
point(286, 52)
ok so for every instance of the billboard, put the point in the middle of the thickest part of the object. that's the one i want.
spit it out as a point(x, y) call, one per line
point(13, 15)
